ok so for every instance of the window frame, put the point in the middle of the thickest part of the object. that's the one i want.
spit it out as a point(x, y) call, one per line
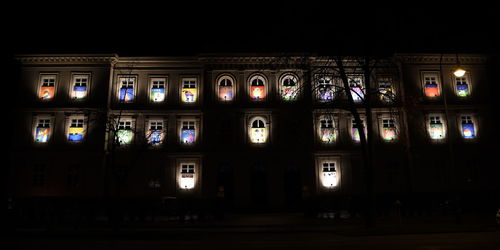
point(74, 76)
point(442, 120)
point(197, 85)
point(218, 80)
point(289, 75)
point(436, 73)
point(468, 78)
point(36, 122)
point(266, 129)
point(43, 75)
point(69, 123)
point(152, 79)
point(134, 86)
point(265, 82)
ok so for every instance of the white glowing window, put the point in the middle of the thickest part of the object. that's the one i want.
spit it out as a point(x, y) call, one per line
point(356, 86)
point(80, 86)
point(189, 90)
point(327, 130)
point(76, 130)
point(43, 131)
point(156, 133)
point(388, 129)
point(258, 131)
point(124, 134)
point(329, 175)
point(158, 90)
point(187, 179)
point(436, 128)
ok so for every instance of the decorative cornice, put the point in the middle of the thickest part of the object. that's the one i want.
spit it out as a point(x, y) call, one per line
point(67, 59)
point(444, 59)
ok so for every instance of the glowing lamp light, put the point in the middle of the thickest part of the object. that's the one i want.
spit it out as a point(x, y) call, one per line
point(187, 181)
point(329, 179)
point(459, 72)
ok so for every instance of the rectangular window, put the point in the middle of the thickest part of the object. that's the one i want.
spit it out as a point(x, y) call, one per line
point(188, 132)
point(462, 86)
point(327, 130)
point(42, 131)
point(386, 89)
point(156, 132)
point(124, 134)
point(436, 128)
point(355, 131)
point(76, 130)
point(80, 86)
point(329, 175)
point(356, 85)
point(468, 128)
point(158, 89)
point(189, 90)
point(431, 84)
point(127, 85)
point(388, 129)
point(47, 87)
point(187, 176)
point(325, 88)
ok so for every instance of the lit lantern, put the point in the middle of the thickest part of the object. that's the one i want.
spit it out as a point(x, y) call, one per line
point(189, 94)
point(75, 134)
point(42, 134)
point(258, 92)
point(431, 90)
point(468, 130)
point(126, 94)
point(158, 94)
point(79, 92)
point(124, 136)
point(329, 176)
point(187, 135)
point(225, 93)
point(327, 135)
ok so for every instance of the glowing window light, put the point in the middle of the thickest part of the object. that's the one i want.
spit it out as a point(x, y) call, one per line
point(386, 91)
point(127, 90)
point(356, 86)
point(79, 87)
point(462, 86)
point(124, 134)
point(47, 87)
point(431, 85)
point(157, 90)
point(388, 130)
point(468, 130)
point(289, 88)
point(187, 176)
point(258, 132)
point(325, 89)
point(329, 175)
point(436, 128)
point(188, 133)
point(257, 89)
point(355, 131)
point(76, 130)
point(327, 131)
point(155, 134)
point(42, 131)
point(225, 89)
point(189, 91)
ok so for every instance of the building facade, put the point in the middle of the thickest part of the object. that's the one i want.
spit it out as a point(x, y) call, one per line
point(256, 131)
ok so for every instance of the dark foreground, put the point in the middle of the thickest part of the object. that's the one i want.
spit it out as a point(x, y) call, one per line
point(266, 231)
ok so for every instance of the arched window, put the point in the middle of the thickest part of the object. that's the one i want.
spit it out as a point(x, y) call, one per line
point(226, 88)
point(289, 86)
point(257, 88)
point(258, 130)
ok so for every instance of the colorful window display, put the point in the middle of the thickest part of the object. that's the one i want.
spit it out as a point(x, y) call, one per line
point(124, 134)
point(189, 90)
point(386, 90)
point(388, 130)
point(42, 131)
point(468, 129)
point(258, 132)
point(156, 133)
point(157, 90)
point(76, 130)
point(327, 131)
point(47, 87)
point(356, 85)
point(325, 89)
point(80, 83)
point(329, 175)
point(436, 128)
point(289, 88)
point(226, 89)
point(431, 85)
point(127, 89)
point(355, 131)
point(462, 86)
point(187, 176)
point(257, 89)
point(188, 132)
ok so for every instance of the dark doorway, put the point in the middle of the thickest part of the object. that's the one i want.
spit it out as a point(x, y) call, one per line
point(225, 183)
point(259, 187)
point(293, 186)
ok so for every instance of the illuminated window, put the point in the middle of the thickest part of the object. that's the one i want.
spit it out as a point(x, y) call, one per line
point(257, 88)
point(80, 86)
point(289, 87)
point(156, 132)
point(189, 90)
point(158, 88)
point(226, 88)
point(327, 130)
point(124, 134)
point(127, 85)
point(436, 127)
point(462, 86)
point(355, 131)
point(468, 128)
point(325, 88)
point(258, 131)
point(188, 132)
point(329, 175)
point(47, 87)
point(43, 130)
point(76, 129)
point(431, 84)
point(386, 89)
point(356, 86)
point(388, 130)
point(187, 179)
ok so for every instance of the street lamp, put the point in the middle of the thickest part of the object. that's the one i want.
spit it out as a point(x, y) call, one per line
point(459, 71)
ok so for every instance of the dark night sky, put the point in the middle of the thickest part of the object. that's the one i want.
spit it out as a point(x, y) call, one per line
point(190, 28)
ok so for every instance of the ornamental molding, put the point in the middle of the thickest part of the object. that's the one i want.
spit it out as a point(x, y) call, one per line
point(445, 59)
point(70, 59)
